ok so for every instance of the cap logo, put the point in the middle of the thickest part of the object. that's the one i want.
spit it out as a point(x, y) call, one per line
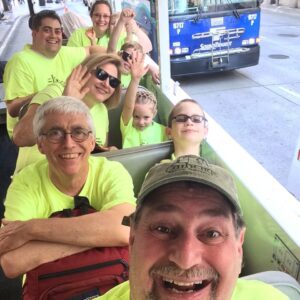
point(195, 164)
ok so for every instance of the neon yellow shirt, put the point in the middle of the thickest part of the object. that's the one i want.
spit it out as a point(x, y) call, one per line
point(29, 155)
point(244, 290)
point(131, 137)
point(125, 80)
point(79, 39)
point(33, 195)
point(28, 72)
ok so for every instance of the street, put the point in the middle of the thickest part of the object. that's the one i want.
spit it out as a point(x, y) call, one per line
point(260, 106)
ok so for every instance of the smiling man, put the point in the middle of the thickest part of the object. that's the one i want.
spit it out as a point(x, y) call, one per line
point(43, 62)
point(186, 238)
point(66, 135)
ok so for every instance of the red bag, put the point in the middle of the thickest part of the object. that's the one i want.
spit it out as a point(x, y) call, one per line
point(79, 276)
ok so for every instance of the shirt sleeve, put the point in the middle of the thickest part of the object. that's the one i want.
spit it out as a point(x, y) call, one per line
point(118, 186)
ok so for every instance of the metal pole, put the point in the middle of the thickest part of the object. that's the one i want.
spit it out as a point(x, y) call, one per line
point(163, 41)
point(30, 6)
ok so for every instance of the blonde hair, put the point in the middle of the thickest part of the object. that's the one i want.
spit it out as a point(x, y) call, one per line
point(100, 59)
point(135, 45)
point(144, 96)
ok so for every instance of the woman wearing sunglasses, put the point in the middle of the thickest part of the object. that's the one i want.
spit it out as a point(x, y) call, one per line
point(96, 82)
point(188, 128)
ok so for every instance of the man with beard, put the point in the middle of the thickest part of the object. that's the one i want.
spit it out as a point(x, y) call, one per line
point(186, 237)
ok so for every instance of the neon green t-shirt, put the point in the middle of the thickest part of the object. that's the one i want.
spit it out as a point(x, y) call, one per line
point(79, 39)
point(131, 137)
point(244, 290)
point(28, 72)
point(33, 195)
point(125, 80)
point(29, 155)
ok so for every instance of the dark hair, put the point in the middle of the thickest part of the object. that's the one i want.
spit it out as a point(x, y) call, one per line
point(35, 21)
point(175, 108)
point(97, 2)
point(238, 221)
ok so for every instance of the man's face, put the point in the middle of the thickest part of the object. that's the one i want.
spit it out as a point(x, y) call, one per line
point(47, 39)
point(185, 246)
point(68, 157)
point(188, 132)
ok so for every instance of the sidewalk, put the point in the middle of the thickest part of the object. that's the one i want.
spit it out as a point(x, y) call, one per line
point(282, 9)
point(11, 19)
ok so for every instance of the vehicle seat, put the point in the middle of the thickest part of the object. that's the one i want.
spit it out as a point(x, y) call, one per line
point(280, 280)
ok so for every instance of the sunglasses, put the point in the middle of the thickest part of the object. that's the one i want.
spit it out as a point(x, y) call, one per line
point(103, 75)
point(125, 55)
point(194, 118)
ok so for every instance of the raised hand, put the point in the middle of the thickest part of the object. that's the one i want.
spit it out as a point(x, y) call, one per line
point(91, 34)
point(138, 70)
point(127, 15)
point(75, 85)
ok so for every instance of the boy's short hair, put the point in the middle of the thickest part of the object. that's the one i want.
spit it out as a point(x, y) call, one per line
point(175, 108)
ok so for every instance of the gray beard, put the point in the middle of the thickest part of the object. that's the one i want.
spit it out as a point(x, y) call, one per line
point(153, 294)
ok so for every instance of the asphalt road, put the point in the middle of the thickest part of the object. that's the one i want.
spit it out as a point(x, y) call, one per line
point(260, 106)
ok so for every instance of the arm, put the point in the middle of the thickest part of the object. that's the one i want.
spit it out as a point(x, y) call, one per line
point(23, 131)
point(95, 49)
point(137, 72)
point(126, 15)
point(143, 39)
point(100, 229)
point(33, 254)
point(91, 34)
point(14, 105)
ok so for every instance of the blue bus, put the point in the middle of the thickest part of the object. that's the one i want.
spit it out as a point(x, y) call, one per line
point(213, 35)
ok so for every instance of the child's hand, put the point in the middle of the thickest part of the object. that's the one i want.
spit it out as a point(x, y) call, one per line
point(127, 15)
point(138, 70)
point(76, 82)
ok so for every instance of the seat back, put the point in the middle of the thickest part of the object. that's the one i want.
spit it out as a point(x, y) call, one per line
point(280, 280)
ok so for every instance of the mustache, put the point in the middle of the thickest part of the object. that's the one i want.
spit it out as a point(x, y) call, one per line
point(171, 269)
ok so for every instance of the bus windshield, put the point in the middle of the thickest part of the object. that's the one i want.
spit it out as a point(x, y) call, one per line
point(181, 7)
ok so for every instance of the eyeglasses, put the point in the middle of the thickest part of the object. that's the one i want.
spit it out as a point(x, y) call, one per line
point(103, 75)
point(194, 118)
point(125, 55)
point(99, 16)
point(58, 135)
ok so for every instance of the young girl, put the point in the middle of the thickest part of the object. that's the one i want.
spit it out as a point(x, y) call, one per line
point(126, 54)
point(140, 107)
point(187, 127)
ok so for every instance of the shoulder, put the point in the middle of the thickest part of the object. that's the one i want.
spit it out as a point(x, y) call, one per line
point(256, 290)
point(104, 165)
point(120, 292)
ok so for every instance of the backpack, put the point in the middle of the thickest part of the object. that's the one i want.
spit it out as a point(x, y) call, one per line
point(83, 275)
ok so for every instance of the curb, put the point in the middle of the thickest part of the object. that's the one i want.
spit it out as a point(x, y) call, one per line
point(10, 31)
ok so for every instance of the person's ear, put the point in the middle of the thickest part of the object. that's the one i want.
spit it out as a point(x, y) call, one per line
point(40, 145)
point(169, 133)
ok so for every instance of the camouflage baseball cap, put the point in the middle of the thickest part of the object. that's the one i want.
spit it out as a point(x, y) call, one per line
point(190, 168)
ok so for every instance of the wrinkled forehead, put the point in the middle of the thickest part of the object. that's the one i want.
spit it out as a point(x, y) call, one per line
point(188, 107)
point(50, 22)
point(186, 196)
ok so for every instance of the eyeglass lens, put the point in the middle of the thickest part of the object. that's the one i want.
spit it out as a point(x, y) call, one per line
point(194, 118)
point(103, 75)
point(126, 56)
point(57, 135)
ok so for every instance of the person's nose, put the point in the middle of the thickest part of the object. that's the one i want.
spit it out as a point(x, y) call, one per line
point(68, 141)
point(189, 122)
point(186, 252)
